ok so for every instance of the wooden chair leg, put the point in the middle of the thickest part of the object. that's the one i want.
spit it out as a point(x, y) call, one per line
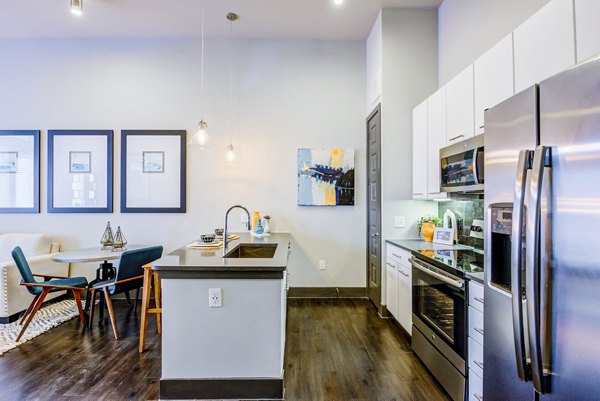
point(137, 297)
point(145, 307)
point(111, 313)
point(36, 307)
point(29, 308)
point(157, 295)
point(92, 307)
point(77, 296)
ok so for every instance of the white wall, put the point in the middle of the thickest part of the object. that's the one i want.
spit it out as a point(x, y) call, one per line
point(409, 70)
point(467, 28)
point(289, 94)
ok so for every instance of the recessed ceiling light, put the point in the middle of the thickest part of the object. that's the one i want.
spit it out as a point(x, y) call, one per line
point(338, 2)
point(77, 7)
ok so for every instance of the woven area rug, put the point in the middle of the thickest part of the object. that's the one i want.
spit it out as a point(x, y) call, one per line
point(46, 318)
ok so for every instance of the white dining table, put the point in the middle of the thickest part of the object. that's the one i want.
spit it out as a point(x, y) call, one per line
point(105, 272)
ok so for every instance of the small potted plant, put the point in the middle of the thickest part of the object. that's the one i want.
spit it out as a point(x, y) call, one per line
point(426, 226)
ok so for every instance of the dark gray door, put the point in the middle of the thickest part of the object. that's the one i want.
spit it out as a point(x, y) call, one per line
point(374, 207)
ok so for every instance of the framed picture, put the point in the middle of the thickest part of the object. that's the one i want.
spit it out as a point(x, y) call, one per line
point(80, 162)
point(443, 236)
point(326, 177)
point(153, 162)
point(19, 171)
point(80, 171)
point(153, 171)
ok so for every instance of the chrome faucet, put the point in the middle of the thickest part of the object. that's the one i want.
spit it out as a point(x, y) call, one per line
point(225, 233)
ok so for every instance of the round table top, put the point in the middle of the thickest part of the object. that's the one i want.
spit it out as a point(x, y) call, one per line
point(91, 255)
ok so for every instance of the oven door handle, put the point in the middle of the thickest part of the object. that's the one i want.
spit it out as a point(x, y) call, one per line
point(454, 283)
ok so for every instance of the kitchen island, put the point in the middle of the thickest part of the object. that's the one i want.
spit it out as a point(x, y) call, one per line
point(234, 350)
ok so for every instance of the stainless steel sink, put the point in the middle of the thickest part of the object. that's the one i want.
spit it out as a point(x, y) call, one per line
point(262, 251)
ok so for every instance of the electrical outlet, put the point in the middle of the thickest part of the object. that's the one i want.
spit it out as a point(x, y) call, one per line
point(399, 221)
point(322, 264)
point(215, 299)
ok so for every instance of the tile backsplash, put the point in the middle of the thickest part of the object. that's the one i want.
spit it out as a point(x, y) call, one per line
point(466, 211)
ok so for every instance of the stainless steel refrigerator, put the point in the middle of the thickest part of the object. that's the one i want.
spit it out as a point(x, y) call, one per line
point(542, 267)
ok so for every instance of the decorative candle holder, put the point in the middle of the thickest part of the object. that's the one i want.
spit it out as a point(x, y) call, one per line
point(107, 238)
point(120, 241)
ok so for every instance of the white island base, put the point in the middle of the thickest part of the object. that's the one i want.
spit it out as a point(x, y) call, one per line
point(229, 352)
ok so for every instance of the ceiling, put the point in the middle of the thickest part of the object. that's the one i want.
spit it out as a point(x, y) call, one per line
point(306, 19)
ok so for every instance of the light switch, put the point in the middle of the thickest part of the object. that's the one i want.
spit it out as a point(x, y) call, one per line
point(399, 221)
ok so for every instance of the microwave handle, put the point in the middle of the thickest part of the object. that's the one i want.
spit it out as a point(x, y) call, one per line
point(478, 151)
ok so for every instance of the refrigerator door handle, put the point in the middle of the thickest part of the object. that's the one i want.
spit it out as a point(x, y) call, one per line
point(533, 268)
point(523, 165)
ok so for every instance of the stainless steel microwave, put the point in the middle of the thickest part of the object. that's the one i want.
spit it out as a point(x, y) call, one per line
point(461, 166)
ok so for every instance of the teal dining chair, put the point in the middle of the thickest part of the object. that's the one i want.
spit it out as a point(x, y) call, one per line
point(40, 289)
point(129, 276)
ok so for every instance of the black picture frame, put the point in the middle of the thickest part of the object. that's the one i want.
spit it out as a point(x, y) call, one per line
point(125, 164)
point(52, 135)
point(36, 171)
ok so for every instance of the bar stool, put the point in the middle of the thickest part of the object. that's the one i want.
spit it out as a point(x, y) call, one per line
point(149, 276)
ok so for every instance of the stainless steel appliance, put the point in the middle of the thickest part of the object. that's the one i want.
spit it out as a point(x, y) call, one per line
point(542, 276)
point(462, 166)
point(439, 335)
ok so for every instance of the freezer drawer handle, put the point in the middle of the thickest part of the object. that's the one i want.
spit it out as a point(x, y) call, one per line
point(479, 330)
point(478, 299)
point(479, 363)
point(454, 283)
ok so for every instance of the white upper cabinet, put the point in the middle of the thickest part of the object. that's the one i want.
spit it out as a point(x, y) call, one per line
point(460, 108)
point(544, 44)
point(419, 154)
point(436, 139)
point(588, 28)
point(374, 65)
point(494, 79)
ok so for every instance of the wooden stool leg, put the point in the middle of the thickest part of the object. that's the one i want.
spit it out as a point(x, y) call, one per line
point(111, 313)
point(157, 295)
point(145, 307)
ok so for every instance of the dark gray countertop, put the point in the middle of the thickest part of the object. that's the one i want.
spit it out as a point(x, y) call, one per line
point(196, 263)
point(413, 245)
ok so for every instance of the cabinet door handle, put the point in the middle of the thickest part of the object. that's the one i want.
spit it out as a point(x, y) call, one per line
point(398, 256)
point(478, 396)
point(420, 193)
point(479, 330)
point(478, 299)
point(390, 264)
point(404, 274)
point(455, 138)
point(479, 363)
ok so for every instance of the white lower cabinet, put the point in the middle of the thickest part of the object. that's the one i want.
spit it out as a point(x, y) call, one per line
point(475, 341)
point(475, 387)
point(392, 287)
point(399, 285)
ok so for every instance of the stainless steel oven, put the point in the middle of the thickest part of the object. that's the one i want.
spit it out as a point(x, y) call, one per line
point(462, 166)
point(439, 332)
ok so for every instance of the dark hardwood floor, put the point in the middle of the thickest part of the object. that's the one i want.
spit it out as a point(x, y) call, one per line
point(336, 350)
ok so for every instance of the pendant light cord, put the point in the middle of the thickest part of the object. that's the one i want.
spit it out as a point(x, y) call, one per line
point(202, 57)
point(230, 79)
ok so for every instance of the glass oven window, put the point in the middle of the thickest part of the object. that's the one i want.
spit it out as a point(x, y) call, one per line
point(437, 308)
point(457, 170)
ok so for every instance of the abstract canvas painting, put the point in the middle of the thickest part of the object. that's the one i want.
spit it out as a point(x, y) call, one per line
point(326, 177)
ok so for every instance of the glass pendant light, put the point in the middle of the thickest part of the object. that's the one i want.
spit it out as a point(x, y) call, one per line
point(77, 7)
point(201, 138)
point(230, 155)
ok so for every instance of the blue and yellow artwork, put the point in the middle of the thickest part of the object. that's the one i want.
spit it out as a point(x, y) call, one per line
point(326, 177)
